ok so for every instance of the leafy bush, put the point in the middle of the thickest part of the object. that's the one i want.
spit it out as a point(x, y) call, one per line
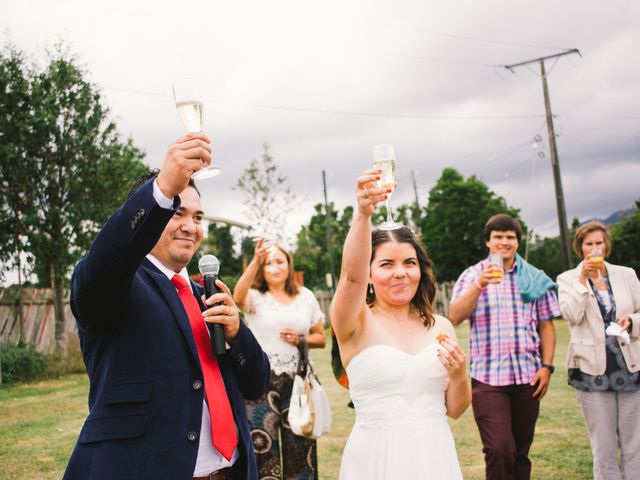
point(21, 363)
point(72, 362)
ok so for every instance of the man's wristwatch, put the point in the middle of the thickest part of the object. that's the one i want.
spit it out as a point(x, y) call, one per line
point(551, 368)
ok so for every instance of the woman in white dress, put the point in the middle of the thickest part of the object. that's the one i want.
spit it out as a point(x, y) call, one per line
point(404, 382)
point(281, 314)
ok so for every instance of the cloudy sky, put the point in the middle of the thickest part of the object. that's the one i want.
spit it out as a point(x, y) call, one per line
point(322, 82)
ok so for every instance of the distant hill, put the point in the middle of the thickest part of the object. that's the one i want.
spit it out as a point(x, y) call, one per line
point(613, 218)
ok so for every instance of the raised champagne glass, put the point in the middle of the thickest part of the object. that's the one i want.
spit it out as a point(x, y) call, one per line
point(384, 158)
point(188, 99)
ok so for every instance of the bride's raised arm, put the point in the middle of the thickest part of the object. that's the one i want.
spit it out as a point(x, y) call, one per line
point(349, 303)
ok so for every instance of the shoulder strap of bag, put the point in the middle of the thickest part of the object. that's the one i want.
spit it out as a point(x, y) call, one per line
point(303, 362)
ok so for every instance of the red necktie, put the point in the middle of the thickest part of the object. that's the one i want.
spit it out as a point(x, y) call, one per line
point(223, 427)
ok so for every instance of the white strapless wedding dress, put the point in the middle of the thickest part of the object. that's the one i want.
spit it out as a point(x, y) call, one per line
point(401, 430)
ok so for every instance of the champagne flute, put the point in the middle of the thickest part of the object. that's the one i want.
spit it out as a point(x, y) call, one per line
point(188, 100)
point(384, 158)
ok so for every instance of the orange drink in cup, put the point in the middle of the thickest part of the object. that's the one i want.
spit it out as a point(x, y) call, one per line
point(596, 256)
point(497, 267)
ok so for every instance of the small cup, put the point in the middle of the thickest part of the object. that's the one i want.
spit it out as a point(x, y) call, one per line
point(596, 255)
point(496, 259)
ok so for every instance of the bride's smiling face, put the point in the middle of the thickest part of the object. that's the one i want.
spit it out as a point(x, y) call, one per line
point(395, 273)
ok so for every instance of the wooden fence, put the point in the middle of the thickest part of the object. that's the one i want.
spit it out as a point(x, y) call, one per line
point(29, 314)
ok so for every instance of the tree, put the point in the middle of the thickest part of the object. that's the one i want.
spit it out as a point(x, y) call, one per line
point(546, 253)
point(220, 242)
point(63, 166)
point(267, 196)
point(311, 254)
point(454, 218)
point(626, 241)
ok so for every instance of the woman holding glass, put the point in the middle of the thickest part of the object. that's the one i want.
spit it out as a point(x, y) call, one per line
point(406, 371)
point(601, 303)
point(281, 314)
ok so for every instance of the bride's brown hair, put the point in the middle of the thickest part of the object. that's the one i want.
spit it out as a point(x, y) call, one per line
point(422, 301)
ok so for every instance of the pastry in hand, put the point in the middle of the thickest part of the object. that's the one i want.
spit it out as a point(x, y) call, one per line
point(441, 337)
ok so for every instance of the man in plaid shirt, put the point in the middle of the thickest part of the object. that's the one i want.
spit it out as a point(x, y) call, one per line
point(511, 347)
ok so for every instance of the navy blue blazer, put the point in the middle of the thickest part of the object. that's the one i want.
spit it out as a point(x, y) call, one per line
point(146, 389)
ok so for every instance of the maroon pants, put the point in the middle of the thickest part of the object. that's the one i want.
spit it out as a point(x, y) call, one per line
point(506, 417)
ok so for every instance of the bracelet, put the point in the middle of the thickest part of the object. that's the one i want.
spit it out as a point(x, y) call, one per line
point(477, 284)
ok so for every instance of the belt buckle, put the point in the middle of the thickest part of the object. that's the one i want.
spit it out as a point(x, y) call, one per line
point(213, 474)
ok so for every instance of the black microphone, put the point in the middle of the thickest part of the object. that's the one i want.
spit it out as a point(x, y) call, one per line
point(209, 267)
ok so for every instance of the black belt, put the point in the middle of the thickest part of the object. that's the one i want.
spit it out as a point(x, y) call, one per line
point(222, 474)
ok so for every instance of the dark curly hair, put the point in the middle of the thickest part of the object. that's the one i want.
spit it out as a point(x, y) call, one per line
point(422, 301)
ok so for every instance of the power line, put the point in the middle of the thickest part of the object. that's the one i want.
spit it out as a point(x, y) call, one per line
point(388, 115)
point(440, 60)
point(342, 112)
point(473, 39)
point(555, 164)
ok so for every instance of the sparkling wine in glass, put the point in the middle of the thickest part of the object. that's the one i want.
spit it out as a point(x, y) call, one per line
point(384, 158)
point(188, 100)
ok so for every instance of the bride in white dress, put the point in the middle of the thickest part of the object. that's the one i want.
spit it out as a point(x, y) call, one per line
point(404, 382)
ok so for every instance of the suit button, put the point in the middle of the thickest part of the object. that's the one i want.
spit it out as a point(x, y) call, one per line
point(241, 360)
point(134, 224)
point(622, 344)
point(192, 436)
point(197, 384)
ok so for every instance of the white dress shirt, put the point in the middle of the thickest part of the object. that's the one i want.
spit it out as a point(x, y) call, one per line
point(209, 458)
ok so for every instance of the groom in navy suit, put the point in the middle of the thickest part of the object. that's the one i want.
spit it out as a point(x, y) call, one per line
point(154, 411)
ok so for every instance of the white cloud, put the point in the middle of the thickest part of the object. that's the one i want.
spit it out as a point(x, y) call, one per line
point(309, 60)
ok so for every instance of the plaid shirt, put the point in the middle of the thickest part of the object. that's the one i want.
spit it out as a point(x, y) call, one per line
point(504, 345)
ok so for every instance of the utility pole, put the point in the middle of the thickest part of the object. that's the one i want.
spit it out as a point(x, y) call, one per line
point(417, 203)
point(332, 269)
point(555, 164)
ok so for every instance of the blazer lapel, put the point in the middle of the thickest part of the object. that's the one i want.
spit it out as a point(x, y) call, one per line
point(592, 302)
point(617, 285)
point(170, 294)
point(223, 360)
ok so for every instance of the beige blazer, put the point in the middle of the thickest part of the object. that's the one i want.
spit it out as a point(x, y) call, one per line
point(580, 308)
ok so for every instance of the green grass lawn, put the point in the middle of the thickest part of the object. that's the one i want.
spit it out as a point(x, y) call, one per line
point(40, 422)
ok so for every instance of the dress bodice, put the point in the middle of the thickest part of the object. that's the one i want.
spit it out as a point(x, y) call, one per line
point(390, 385)
point(268, 317)
point(401, 428)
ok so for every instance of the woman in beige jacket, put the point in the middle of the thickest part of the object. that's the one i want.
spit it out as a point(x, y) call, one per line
point(601, 303)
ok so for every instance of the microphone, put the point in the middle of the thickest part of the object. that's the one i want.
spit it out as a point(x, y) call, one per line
point(209, 267)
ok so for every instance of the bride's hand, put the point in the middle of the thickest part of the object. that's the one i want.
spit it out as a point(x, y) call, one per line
point(368, 193)
point(453, 359)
